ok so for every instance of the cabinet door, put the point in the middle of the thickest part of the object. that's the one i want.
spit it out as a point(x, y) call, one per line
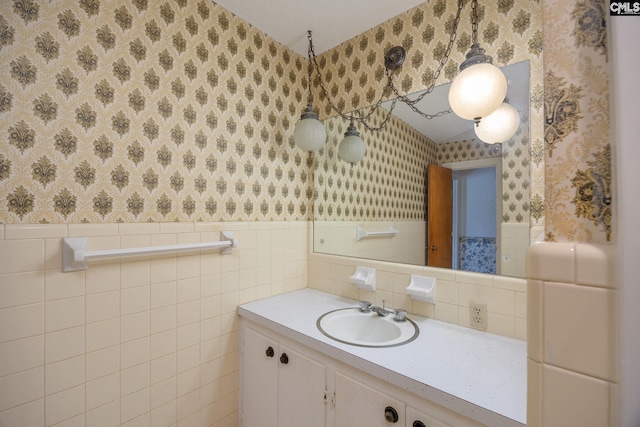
point(416, 418)
point(358, 405)
point(259, 380)
point(301, 389)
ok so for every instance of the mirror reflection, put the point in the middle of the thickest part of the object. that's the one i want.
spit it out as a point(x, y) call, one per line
point(427, 192)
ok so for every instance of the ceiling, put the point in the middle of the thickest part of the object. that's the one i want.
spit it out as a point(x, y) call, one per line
point(336, 21)
point(331, 21)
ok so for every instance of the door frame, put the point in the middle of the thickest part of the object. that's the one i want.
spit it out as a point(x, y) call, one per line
point(496, 163)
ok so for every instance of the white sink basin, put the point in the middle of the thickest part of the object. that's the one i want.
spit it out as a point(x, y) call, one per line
point(351, 326)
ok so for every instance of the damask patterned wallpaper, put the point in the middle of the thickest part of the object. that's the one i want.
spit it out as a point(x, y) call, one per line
point(132, 110)
point(510, 31)
point(140, 110)
point(577, 138)
point(387, 184)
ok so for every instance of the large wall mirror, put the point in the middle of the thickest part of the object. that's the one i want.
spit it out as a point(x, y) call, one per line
point(387, 206)
point(379, 208)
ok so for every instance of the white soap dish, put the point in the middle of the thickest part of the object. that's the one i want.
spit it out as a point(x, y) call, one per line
point(422, 288)
point(364, 278)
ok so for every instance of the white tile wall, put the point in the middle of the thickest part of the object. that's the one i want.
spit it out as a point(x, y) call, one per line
point(565, 398)
point(339, 237)
point(514, 241)
point(505, 296)
point(148, 341)
point(572, 335)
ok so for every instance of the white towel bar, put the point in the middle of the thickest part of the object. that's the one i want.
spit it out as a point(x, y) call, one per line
point(362, 234)
point(75, 254)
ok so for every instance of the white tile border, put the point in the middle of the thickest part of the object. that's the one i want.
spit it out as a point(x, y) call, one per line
point(551, 261)
point(587, 264)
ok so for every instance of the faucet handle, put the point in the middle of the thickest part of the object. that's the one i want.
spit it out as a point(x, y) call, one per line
point(400, 315)
point(365, 306)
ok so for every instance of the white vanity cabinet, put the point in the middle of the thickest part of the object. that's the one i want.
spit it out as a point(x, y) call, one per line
point(358, 405)
point(280, 387)
point(361, 401)
point(286, 384)
point(449, 376)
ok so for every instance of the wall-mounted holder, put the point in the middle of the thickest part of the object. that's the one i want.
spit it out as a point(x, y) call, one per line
point(422, 288)
point(75, 255)
point(364, 278)
point(361, 233)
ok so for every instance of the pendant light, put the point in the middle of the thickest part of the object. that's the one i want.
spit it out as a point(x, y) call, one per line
point(352, 148)
point(309, 133)
point(498, 126)
point(480, 87)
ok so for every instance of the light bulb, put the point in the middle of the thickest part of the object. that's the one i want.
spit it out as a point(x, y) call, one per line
point(309, 133)
point(498, 126)
point(352, 147)
point(477, 91)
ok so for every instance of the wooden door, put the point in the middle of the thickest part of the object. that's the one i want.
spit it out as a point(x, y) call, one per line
point(439, 216)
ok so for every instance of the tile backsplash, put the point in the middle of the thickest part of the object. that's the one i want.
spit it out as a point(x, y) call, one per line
point(148, 340)
point(506, 297)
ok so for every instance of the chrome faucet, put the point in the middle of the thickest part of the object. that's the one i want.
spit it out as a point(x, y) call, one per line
point(398, 315)
point(382, 311)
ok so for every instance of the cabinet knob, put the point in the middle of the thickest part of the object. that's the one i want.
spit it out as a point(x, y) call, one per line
point(390, 414)
point(269, 352)
point(284, 359)
point(418, 423)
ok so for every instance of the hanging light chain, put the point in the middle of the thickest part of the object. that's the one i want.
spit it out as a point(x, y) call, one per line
point(309, 71)
point(445, 58)
point(364, 118)
point(360, 117)
point(474, 21)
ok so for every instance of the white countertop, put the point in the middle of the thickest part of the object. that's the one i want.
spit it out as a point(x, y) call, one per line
point(476, 374)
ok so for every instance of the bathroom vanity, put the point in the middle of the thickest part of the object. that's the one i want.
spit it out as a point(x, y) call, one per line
point(291, 374)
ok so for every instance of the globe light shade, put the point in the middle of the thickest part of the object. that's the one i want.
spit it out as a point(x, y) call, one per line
point(477, 91)
point(498, 126)
point(352, 147)
point(309, 133)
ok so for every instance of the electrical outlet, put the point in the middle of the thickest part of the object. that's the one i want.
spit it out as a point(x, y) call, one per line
point(478, 316)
